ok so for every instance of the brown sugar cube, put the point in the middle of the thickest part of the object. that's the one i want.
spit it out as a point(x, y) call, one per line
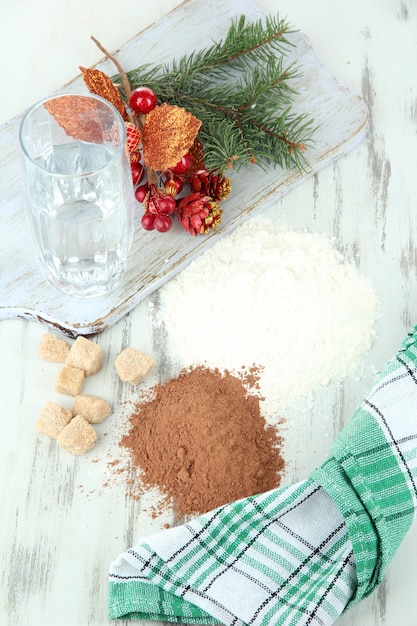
point(69, 381)
point(52, 419)
point(92, 408)
point(85, 355)
point(132, 365)
point(53, 349)
point(78, 437)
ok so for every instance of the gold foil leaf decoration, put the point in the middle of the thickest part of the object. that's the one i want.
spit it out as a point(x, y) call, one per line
point(168, 133)
point(101, 85)
point(76, 115)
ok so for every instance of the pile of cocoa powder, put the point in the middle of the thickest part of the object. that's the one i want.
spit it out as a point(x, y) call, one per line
point(202, 441)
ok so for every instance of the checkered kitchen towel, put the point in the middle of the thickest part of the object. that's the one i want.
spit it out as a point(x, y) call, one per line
point(297, 555)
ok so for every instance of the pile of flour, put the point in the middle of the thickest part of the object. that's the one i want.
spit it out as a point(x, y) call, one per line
point(280, 300)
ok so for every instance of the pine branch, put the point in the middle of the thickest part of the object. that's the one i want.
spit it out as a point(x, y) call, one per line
point(243, 44)
point(243, 94)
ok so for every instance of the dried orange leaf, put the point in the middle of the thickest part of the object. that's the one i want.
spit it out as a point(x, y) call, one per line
point(75, 114)
point(168, 133)
point(101, 85)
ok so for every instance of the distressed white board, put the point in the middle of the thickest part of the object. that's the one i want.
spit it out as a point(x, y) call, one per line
point(342, 118)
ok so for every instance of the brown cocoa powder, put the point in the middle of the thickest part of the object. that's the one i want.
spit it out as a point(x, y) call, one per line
point(202, 440)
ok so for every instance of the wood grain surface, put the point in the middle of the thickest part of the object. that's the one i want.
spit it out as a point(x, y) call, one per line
point(341, 118)
point(63, 519)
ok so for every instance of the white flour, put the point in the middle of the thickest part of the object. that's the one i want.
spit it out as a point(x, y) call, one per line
point(278, 299)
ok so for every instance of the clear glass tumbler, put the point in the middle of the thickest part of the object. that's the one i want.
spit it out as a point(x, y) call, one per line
point(79, 191)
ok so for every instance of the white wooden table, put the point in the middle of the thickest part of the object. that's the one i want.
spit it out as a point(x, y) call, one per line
point(60, 526)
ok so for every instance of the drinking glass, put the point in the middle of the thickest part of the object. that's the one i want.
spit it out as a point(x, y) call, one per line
point(79, 191)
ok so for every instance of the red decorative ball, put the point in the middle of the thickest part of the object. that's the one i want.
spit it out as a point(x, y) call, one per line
point(162, 223)
point(166, 205)
point(141, 191)
point(132, 136)
point(183, 164)
point(148, 221)
point(174, 185)
point(137, 171)
point(142, 100)
point(135, 156)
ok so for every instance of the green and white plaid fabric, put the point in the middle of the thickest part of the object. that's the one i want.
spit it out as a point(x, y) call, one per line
point(299, 555)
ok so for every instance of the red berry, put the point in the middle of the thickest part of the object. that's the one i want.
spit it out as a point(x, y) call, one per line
point(174, 185)
point(166, 205)
point(183, 164)
point(135, 156)
point(137, 171)
point(162, 223)
point(142, 100)
point(141, 191)
point(148, 221)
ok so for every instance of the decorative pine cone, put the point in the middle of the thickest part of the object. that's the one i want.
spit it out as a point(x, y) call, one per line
point(216, 186)
point(198, 213)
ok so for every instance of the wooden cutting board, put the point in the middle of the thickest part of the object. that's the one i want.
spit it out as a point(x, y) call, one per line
point(342, 118)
